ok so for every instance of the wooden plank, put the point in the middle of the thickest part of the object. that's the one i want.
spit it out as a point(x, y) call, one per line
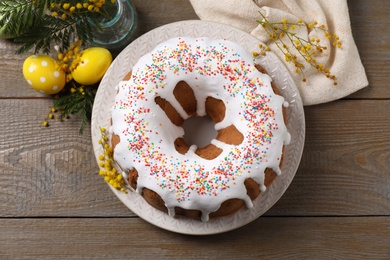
point(132, 238)
point(345, 167)
point(52, 171)
point(371, 36)
point(12, 83)
point(54, 205)
point(49, 171)
point(151, 15)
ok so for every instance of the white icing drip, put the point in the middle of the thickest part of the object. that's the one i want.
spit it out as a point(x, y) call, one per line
point(178, 107)
point(171, 211)
point(201, 109)
point(248, 202)
point(216, 68)
point(205, 216)
point(191, 151)
point(287, 140)
point(218, 144)
point(277, 171)
point(223, 124)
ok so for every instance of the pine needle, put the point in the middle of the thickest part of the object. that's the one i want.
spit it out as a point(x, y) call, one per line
point(37, 29)
point(78, 102)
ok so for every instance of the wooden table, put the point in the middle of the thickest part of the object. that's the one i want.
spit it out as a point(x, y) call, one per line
point(54, 205)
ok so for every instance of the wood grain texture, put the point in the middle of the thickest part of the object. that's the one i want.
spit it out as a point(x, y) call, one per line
point(132, 238)
point(371, 31)
point(151, 15)
point(345, 169)
point(54, 205)
point(12, 83)
point(49, 171)
point(371, 37)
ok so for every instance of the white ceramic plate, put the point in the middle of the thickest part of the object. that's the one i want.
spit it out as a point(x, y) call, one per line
point(281, 76)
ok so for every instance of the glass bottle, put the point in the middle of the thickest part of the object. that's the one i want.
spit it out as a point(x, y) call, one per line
point(115, 30)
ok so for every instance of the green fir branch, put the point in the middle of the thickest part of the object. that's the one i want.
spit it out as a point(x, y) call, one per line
point(78, 102)
point(49, 30)
point(20, 15)
point(39, 25)
point(32, 24)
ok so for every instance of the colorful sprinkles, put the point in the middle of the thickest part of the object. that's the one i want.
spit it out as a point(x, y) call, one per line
point(196, 59)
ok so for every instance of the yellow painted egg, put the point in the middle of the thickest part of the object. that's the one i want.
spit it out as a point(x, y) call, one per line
point(92, 65)
point(41, 73)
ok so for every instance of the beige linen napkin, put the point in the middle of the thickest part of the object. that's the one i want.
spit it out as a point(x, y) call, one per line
point(343, 62)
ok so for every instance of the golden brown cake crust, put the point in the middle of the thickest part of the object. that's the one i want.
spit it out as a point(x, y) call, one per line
point(215, 108)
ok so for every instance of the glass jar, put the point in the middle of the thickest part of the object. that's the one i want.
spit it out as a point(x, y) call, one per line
point(117, 29)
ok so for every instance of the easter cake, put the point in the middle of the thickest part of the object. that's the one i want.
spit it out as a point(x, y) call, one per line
point(187, 77)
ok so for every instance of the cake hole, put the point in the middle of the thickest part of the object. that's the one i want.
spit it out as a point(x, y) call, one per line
point(199, 131)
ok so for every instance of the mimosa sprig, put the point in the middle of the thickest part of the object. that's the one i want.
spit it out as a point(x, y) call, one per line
point(284, 35)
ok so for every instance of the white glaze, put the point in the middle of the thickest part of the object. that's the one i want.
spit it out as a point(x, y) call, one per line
point(216, 68)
